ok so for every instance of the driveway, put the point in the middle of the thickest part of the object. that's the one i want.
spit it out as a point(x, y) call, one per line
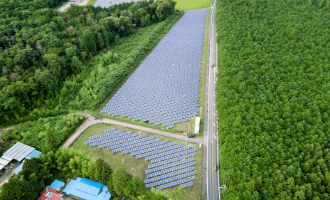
point(92, 120)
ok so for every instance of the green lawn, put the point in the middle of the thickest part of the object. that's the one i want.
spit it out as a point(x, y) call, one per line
point(135, 166)
point(90, 2)
point(192, 4)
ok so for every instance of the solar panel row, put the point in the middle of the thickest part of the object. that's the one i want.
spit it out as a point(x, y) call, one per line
point(109, 130)
point(148, 146)
point(169, 175)
point(171, 160)
point(143, 144)
point(175, 183)
point(184, 176)
point(119, 140)
point(138, 144)
point(175, 155)
point(170, 165)
point(125, 136)
point(102, 135)
point(157, 147)
point(171, 169)
point(160, 151)
point(125, 145)
point(168, 152)
point(109, 137)
point(186, 185)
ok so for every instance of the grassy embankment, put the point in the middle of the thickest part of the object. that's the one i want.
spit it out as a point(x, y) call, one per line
point(192, 4)
point(135, 166)
point(122, 48)
point(90, 2)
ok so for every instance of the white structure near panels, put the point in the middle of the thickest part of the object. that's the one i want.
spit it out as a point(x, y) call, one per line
point(172, 163)
point(164, 89)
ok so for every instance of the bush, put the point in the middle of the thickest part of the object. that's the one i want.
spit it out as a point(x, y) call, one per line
point(33, 133)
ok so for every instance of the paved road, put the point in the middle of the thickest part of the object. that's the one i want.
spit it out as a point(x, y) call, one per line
point(212, 176)
point(92, 120)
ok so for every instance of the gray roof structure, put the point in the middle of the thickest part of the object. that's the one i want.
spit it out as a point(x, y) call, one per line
point(3, 161)
point(18, 151)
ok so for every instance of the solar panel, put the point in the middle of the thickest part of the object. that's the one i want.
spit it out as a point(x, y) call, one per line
point(183, 75)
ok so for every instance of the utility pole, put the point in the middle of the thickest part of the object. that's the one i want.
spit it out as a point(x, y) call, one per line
point(182, 5)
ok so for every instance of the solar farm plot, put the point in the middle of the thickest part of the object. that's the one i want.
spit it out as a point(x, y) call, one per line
point(176, 167)
point(164, 89)
point(172, 163)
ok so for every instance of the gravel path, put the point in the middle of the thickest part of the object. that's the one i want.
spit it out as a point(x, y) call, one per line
point(92, 120)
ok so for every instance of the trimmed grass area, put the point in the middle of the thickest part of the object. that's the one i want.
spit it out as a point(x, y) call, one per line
point(135, 166)
point(201, 102)
point(192, 4)
point(184, 127)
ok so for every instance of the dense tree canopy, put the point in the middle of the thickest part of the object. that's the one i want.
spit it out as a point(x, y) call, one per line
point(273, 98)
point(40, 47)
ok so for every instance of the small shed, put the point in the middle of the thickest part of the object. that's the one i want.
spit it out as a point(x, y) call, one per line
point(197, 122)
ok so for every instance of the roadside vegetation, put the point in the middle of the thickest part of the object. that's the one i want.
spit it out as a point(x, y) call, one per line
point(134, 166)
point(273, 98)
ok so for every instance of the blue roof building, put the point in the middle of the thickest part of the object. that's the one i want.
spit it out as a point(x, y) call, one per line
point(57, 184)
point(87, 189)
point(32, 154)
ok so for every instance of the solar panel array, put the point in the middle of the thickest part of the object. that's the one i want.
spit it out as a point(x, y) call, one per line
point(164, 89)
point(172, 179)
point(173, 162)
point(175, 183)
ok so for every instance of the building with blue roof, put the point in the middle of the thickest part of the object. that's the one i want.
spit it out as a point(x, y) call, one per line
point(32, 154)
point(57, 185)
point(87, 189)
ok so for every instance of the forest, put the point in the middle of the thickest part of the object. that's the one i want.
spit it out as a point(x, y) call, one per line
point(273, 98)
point(42, 50)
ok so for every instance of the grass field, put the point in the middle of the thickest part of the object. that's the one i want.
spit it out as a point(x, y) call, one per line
point(90, 2)
point(135, 166)
point(192, 4)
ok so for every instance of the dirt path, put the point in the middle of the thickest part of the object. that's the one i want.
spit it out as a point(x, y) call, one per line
point(93, 120)
point(5, 129)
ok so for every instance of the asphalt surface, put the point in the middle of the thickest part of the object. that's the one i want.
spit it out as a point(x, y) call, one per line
point(211, 141)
